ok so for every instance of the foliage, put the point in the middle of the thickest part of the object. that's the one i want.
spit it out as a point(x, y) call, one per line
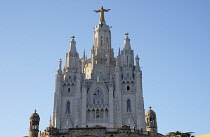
point(178, 134)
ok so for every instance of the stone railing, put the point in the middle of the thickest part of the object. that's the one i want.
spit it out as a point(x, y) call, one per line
point(98, 120)
point(99, 106)
point(119, 129)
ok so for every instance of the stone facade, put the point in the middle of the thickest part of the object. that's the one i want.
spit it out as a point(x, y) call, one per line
point(100, 96)
point(97, 131)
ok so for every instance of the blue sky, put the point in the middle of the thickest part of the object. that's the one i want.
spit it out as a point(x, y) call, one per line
point(171, 38)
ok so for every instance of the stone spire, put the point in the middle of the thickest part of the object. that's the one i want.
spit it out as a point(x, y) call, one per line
point(127, 42)
point(84, 54)
point(72, 45)
point(127, 53)
point(137, 62)
point(83, 62)
point(60, 66)
point(119, 52)
point(72, 56)
point(50, 122)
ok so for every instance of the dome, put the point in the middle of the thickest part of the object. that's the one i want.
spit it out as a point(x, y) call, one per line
point(35, 116)
point(150, 113)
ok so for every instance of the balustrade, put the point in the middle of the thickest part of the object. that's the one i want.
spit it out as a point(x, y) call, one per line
point(95, 106)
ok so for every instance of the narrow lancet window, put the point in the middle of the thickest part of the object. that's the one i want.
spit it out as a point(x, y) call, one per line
point(68, 107)
point(128, 105)
point(127, 60)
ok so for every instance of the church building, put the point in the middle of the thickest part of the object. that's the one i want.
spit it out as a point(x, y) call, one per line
point(100, 96)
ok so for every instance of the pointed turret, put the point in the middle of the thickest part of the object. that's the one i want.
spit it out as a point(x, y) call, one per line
point(84, 55)
point(72, 48)
point(72, 56)
point(127, 45)
point(137, 63)
point(83, 62)
point(127, 53)
point(50, 122)
point(59, 67)
point(119, 52)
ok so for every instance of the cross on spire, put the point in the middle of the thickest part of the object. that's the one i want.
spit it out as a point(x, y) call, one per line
point(126, 34)
point(72, 38)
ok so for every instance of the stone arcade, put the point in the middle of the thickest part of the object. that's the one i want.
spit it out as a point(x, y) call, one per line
point(100, 96)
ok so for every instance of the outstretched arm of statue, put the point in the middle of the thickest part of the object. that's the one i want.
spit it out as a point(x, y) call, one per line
point(106, 10)
point(97, 10)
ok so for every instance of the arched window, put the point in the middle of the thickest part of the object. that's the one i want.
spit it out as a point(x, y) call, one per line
point(128, 88)
point(127, 60)
point(68, 89)
point(128, 105)
point(98, 97)
point(68, 107)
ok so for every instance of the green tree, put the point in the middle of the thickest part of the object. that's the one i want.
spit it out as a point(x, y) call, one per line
point(179, 134)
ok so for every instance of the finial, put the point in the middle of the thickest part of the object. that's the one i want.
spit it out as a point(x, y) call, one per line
point(137, 57)
point(119, 52)
point(59, 64)
point(126, 34)
point(35, 111)
point(150, 107)
point(73, 37)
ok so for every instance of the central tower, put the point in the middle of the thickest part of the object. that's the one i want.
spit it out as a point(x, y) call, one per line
point(102, 55)
point(101, 90)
